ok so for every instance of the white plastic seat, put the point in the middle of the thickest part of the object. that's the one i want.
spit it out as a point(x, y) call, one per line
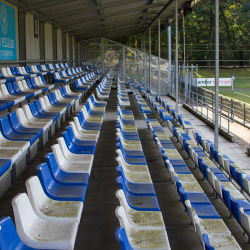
point(39, 233)
point(74, 157)
point(140, 219)
point(82, 136)
point(51, 210)
point(68, 165)
point(143, 238)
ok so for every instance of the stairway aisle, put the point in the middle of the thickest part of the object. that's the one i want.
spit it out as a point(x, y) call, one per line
point(180, 233)
point(98, 222)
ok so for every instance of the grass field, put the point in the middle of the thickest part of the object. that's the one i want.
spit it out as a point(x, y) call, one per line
point(239, 94)
point(241, 85)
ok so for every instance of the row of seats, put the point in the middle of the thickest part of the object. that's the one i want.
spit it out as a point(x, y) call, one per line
point(232, 197)
point(143, 105)
point(86, 82)
point(47, 217)
point(13, 93)
point(68, 75)
point(122, 95)
point(224, 161)
point(211, 229)
point(103, 89)
point(25, 131)
point(11, 74)
point(141, 221)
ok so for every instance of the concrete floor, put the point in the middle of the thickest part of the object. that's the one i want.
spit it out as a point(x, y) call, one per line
point(98, 222)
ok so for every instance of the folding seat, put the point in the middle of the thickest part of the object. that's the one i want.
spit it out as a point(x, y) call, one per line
point(18, 91)
point(69, 164)
point(86, 125)
point(85, 129)
point(226, 242)
point(58, 191)
point(39, 233)
point(51, 210)
point(81, 136)
point(62, 177)
point(128, 235)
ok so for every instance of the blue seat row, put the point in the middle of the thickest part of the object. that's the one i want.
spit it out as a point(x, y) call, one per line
point(136, 195)
point(11, 74)
point(68, 75)
point(86, 82)
point(16, 92)
point(122, 95)
point(103, 89)
point(201, 212)
point(47, 217)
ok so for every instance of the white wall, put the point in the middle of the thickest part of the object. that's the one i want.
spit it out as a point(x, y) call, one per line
point(59, 44)
point(67, 46)
point(48, 41)
point(17, 37)
point(32, 43)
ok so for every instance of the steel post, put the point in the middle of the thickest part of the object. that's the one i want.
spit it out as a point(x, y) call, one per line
point(216, 127)
point(149, 45)
point(176, 54)
point(169, 59)
point(159, 55)
point(123, 62)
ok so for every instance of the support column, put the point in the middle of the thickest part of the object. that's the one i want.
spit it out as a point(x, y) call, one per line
point(54, 42)
point(42, 41)
point(22, 36)
point(71, 51)
point(176, 54)
point(149, 43)
point(184, 45)
point(64, 46)
point(159, 55)
point(216, 124)
point(79, 54)
point(102, 56)
point(144, 64)
point(76, 54)
point(123, 62)
point(169, 60)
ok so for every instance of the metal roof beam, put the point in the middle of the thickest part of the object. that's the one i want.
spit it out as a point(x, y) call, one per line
point(115, 13)
point(88, 9)
point(41, 5)
point(115, 20)
point(159, 14)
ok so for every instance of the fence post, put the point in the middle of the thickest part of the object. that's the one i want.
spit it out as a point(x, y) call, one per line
point(232, 105)
point(244, 114)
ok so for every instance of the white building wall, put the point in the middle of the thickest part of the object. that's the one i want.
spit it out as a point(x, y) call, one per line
point(48, 41)
point(59, 44)
point(32, 43)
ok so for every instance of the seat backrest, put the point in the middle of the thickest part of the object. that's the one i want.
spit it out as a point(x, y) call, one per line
point(9, 238)
point(206, 242)
point(45, 177)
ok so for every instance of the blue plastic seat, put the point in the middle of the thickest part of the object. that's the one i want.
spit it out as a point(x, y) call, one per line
point(140, 189)
point(9, 239)
point(139, 203)
point(10, 134)
point(122, 238)
point(87, 147)
point(134, 160)
point(130, 153)
point(4, 165)
point(62, 177)
point(205, 211)
point(38, 115)
point(206, 242)
point(57, 191)
point(17, 127)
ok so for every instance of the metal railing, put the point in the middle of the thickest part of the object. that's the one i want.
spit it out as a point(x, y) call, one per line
point(206, 108)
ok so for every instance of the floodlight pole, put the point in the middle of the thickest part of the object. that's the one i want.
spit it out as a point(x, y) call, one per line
point(169, 59)
point(149, 44)
point(159, 54)
point(176, 54)
point(216, 124)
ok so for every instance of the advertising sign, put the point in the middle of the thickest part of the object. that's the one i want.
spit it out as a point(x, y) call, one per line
point(7, 32)
point(210, 82)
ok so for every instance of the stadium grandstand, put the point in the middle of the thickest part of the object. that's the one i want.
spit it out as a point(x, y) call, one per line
point(112, 136)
